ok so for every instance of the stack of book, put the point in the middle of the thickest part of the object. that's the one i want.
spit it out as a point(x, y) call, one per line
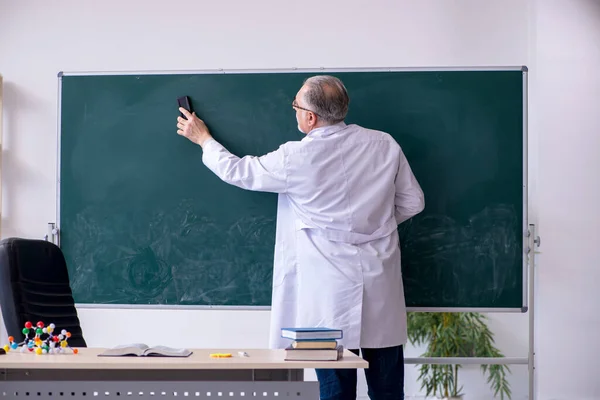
point(313, 344)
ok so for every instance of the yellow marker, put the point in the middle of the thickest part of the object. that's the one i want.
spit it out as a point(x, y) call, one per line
point(220, 355)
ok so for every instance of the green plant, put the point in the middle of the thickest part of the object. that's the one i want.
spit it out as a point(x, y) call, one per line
point(455, 335)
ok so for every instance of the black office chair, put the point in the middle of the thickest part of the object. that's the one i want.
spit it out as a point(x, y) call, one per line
point(34, 286)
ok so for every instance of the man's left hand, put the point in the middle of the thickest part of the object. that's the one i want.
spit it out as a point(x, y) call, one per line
point(192, 128)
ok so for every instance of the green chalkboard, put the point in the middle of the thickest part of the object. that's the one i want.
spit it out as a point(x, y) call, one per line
point(143, 221)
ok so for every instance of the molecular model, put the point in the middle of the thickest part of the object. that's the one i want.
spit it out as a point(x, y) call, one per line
point(43, 340)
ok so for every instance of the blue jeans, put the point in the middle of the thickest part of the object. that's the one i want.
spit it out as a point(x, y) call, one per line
point(385, 376)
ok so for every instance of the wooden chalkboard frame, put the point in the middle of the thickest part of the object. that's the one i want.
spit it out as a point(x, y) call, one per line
point(526, 248)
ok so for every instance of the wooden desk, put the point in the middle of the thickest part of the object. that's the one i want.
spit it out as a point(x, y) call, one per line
point(264, 374)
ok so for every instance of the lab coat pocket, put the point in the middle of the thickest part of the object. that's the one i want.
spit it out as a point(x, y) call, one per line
point(332, 262)
point(284, 266)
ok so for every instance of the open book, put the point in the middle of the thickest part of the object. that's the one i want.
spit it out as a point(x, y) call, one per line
point(143, 350)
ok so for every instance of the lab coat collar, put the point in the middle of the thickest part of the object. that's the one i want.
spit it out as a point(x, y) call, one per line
point(326, 130)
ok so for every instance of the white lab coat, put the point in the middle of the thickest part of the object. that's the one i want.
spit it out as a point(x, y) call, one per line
point(343, 190)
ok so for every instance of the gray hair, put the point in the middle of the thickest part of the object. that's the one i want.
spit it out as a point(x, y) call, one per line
point(327, 97)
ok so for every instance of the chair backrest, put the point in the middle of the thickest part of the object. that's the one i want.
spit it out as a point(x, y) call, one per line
point(34, 286)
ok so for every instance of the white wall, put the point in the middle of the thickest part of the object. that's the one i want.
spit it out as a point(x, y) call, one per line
point(567, 111)
point(39, 38)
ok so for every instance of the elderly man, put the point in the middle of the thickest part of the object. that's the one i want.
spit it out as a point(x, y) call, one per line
point(343, 190)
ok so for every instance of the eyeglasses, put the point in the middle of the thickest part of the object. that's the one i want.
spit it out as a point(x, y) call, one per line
point(296, 106)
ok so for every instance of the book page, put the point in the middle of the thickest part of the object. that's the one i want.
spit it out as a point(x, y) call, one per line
point(135, 349)
point(167, 351)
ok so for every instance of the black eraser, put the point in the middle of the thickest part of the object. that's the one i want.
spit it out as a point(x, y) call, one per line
point(186, 103)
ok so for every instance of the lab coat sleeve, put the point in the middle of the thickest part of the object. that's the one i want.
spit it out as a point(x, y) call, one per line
point(409, 200)
point(266, 173)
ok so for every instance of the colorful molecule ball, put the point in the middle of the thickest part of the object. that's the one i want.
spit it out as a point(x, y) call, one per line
point(42, 340)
